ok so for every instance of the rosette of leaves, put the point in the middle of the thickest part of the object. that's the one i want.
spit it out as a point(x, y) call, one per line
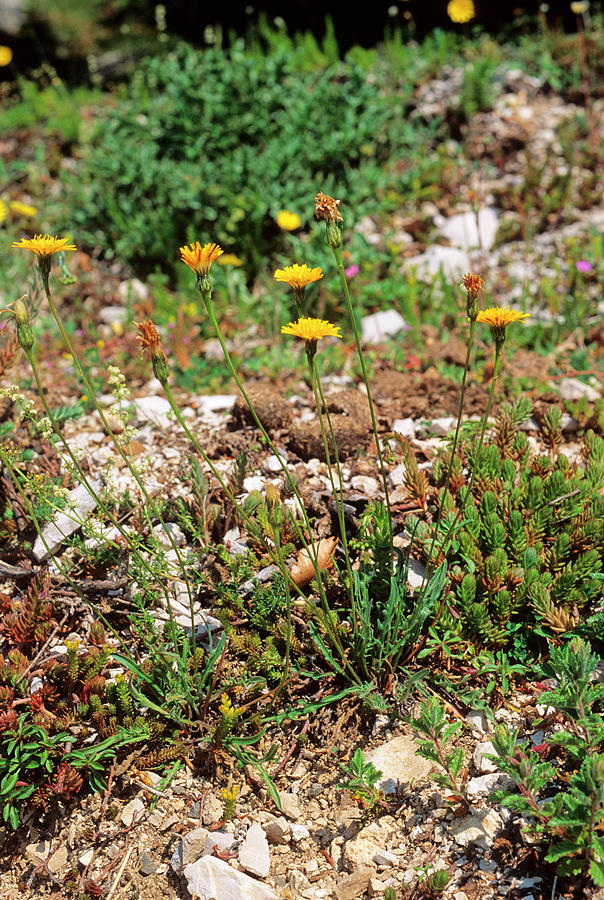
point(526, 559)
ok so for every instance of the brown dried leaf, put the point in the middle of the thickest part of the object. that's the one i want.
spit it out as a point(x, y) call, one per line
point(303, 570)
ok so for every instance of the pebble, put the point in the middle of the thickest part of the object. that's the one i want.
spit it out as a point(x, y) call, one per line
point(154, 410)
point(482, 763)
point(365, 484)
point(398, 762)
point(404, 427)
point(81, 504)
point(290, 805)
point(382, 325)
point(572, 389)
point(146, 864)
point(466, 233)
point(254, 853)
point(209, 878)
point(132, 811)
point(278, 831)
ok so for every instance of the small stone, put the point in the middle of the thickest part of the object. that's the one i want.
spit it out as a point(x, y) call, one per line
point(132, 811)
point(216, 403)
point(382, 325)
point(254, 853)
point(465, 232)
point(450, 260)
point(146, 864)
point(404, 427)
point(484, 785)
point(396, 476)
point(364, 850)
point(365, 484)
point(354, 885)
point(189, 848)
point(133, 289)
point(39, 853)
point(482, 763)
point(290, 805)
point(385, 859)
point(311, 867)
point(442, 426)
point(398, 762)
point(278, 831)
point(299, 832)
point(209, 878)
point(415, 573)
point(86, 858)
point(80, 504)
point(218, 840)
point(572, 389)
point(155, 410)
point(478, 721)
point(174, 531)
point(479, 829)
point(272, 464)
point(253, 483)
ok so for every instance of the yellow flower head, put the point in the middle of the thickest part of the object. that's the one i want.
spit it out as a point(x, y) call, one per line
point(199, 258)
point(43, 245)
point(461, 11)
point(579, 7)
point(288, 221)
point(3, 210)
point(499, 318)
point(23, 209)
point(298, 276)
point(311, 329)
point(6, 55)
point(230, 259)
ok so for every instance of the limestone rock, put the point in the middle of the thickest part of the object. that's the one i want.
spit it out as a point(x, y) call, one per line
point(81, 503)
point(209, 878)
point(368, 848)
point(397, 761)
point(354, 885)
point(189, 849)
point(155, 410)
point(290, 805)
point(254, 854)
point(479, 828)
point(132, 811)
point(278, 831)
point(381, 325)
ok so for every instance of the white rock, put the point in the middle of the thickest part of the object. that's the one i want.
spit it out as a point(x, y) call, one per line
point(215, 403)
point(133, 290)
point(161, 534)
point(396, 476)
point(477, 720)
point(272, 464)
point(442, 426)
point(573, 389)
point(81, 504)
point(132, 811)
point(415, 574)
point(290, 805)
point(155, 410)
point(480, 759)
point(221, 840)
point(209, 878)
point(190, 848)
point(365, 484)
point(480, 787)
point(112, 315)
point(299, 832)
point(381, 325)
point(398, 762)
point(86, 857)
point(254, 854)
point(405, 427)
point(479, 828)
point(450, 260)
point(253, 483)
point(464, 232)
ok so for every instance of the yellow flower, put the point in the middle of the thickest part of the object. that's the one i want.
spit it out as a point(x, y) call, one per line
point(288, 221)
point(3, 210)
point(298, 276)
point(43, 245)
point(6, 55)
point(461, 11)
point(23, 208)
point(199, 258)
point(229, 259)
point(579, 7)
point(311, 329)
point(499, 318)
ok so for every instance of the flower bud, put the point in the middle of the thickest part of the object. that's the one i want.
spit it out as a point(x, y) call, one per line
point(334, 235)
point(24, 332)
point(273, 505)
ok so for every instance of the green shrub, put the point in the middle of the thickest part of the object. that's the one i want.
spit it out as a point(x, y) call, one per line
point(210, 145)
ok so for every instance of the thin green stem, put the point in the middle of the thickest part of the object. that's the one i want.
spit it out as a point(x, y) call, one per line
point(127, 461)
point(357, 337)
point(309, 546)
point(320, 404)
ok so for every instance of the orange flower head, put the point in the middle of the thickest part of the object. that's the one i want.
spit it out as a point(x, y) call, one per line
point(326, 208)
point(148, 336)
point(472, 283)
point(199, 259)
point(311, 330)
point(298, 276)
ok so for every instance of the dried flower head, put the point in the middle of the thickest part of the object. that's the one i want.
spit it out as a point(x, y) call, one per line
point(148, 336)
point(311, 329)
point(461, 11)
point(326, 208)
point(472, 283)
point(199, 258)
point(298, 276)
